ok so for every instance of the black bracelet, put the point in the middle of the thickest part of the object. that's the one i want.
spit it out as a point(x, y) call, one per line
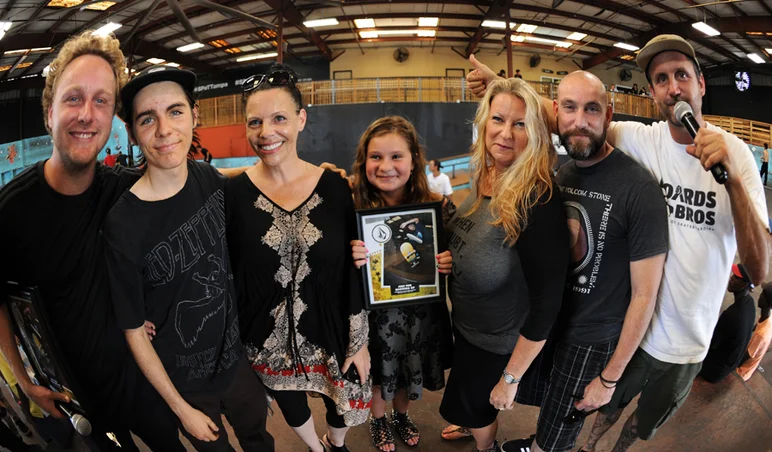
point(607, 382)
point(607, 386)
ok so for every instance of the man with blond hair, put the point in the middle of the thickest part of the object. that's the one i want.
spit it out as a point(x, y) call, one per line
point(51, 216)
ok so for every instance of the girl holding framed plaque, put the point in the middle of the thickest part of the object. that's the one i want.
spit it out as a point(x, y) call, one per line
point(411, 345)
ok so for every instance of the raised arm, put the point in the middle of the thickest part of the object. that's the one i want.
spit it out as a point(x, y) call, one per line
point(645, 276)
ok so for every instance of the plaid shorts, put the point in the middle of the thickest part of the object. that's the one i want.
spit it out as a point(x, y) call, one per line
point(574, 367)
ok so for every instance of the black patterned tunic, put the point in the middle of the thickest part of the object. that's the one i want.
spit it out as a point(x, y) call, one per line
point(300, 299)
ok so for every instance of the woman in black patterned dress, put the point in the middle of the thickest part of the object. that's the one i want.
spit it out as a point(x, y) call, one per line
point(410, 346)
point(301, 310)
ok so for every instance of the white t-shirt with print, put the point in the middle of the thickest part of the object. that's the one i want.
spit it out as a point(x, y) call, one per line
point(440, 184)
point(702, 237)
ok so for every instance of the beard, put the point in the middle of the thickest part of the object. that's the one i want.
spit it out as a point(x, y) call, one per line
point(580, 152)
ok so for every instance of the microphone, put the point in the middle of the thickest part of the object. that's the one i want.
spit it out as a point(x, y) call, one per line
point(684, 114)
point(78, 421)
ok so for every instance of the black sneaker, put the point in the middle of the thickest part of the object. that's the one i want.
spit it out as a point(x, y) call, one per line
point(518, 445)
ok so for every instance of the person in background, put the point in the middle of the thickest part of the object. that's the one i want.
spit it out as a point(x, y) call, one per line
point(110, 158)
point(635, 89)
point(122, 159)
point(510, 249)
point(438, 182)
point(762, 336)
point(765, 163)
point(733, 330)
point(517, 74)
point(411, 346)
point(301, 302)
point(502, 73)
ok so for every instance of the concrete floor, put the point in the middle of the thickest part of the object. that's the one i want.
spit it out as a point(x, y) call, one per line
point(730, 416)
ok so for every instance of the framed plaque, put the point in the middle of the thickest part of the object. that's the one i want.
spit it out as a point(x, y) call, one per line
point(402, 243)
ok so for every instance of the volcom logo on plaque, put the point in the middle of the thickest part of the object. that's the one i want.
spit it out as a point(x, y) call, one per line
point(381, 233)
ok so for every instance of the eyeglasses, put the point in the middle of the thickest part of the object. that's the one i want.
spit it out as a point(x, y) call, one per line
point(275, 78)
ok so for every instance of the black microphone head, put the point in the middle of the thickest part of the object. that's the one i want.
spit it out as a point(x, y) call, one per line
point(681, 109)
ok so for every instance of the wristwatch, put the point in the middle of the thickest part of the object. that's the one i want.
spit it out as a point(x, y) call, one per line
point(510, 379)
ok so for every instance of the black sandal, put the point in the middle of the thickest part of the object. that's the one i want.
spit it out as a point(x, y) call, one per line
point(405, 427)
point(380, 432)
point(331, 447)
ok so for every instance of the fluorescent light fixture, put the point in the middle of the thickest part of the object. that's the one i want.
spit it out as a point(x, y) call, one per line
point(427, 33)
point(563, 44)
point(625, 46)
point(15, 52)
point(189, 47)
point(769, 50)
point(428, 21)
point(29, 76)
point(40, 49)
point(257, 57)
point(494, 24)
point(172, 64)
point(155, 60)
point(4, 26)
point(364, 23)
point(525, 28)
point(518, 38)
point(368, 34)
point(126, 70)
point(108, 28)
point(321, 22)
point(576, 36)
point(755, 58)
point(705, 28)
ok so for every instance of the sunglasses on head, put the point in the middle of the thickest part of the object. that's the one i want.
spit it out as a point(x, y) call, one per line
point(275, 78)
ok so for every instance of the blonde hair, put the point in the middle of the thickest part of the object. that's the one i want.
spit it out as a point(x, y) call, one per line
point(528, 178)
point(86, 43)
point(417, 186)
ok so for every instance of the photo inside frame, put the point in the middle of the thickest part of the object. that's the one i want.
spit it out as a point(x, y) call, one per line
point(402, 262)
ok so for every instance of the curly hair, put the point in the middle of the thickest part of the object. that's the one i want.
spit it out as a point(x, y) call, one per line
point(417, 187)
point(86, 43)
point(529, 178)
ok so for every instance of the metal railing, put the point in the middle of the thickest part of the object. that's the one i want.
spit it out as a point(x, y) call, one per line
point(228, 110)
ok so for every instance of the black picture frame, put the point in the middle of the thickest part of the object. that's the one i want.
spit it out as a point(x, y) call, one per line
point(44, 360)
point(402, 242)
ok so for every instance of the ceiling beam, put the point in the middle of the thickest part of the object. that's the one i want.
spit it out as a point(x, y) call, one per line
point(495, 12)
point(7, 9)
point(31, 18)
point(109, 12)
point(150, 49)
point(291, 13)
point(625, 10)
point(171, 19)
point(641, 41)
point(766, 7)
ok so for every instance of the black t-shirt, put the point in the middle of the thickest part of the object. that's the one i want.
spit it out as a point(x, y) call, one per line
point(730, 339)
point(168, 263)
point(53, 241)
point(615, 215)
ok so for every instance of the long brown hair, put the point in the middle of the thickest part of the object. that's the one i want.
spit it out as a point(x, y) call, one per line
point(520, 187)
point(417, 187)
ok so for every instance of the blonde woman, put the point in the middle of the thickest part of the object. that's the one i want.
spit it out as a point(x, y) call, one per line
point(510, 248)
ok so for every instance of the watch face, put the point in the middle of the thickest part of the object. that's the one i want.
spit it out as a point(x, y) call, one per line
point(742, 81)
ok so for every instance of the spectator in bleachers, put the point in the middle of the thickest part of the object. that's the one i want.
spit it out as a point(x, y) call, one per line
point(110, 158)
point(517, 74)
point(503, 73)
point(439, 182)
point(635, 89)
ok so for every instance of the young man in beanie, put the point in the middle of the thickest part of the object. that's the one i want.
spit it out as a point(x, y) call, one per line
point(168, 262)
point(51, 217)
point(709, 222)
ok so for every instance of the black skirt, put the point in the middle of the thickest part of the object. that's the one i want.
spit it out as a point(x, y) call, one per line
point(474, 374)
